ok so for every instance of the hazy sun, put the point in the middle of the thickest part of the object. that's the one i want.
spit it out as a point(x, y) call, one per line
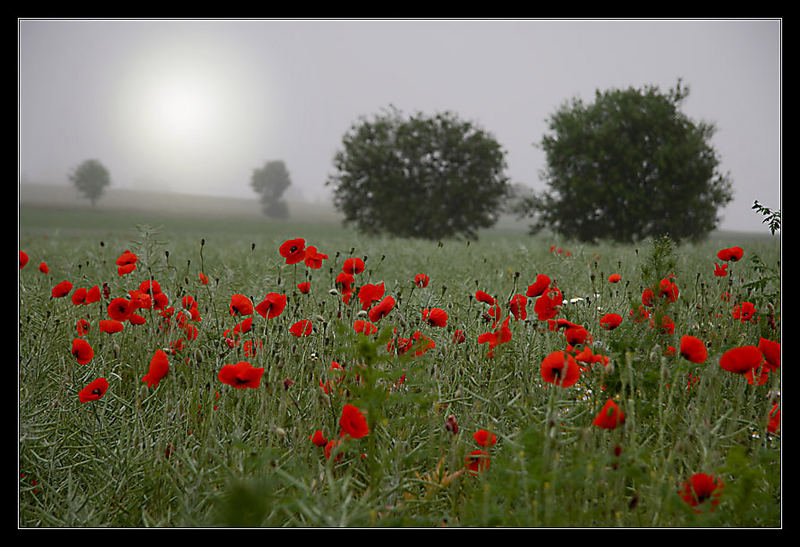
point(181, 110)
point(187, 115)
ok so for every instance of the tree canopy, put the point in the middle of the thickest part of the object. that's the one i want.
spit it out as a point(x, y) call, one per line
point(627, 167)
point(270, 182)
point(423, 176)
point(90, 178)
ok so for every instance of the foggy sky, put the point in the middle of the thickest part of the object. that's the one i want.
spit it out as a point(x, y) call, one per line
point(290, 90)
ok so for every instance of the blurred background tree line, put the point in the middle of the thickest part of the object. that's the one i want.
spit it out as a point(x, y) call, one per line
point(626, 167)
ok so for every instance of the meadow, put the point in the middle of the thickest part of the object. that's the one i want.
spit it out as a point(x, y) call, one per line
point(448, 407)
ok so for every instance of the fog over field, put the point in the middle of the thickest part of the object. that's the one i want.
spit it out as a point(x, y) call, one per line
point(194, 106)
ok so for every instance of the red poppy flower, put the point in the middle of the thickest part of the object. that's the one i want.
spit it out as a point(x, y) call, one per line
point(241, 305)
point(364, 327)
point(560, 368)
point(774, 423)
point(79, 296)
point(745, 311)
point(331, 447)
point(301, 328)
point(369, 293)
point(421, 343)
point(586, 356)
point(111, 326)
point(577, 335)
point(344, 282)
point(700, 488)
point(734, 254)
point(313, 258)
point(482, 296)
point(459, 337)
point(639, 314)
point(484, 438)
point(160, 301)
point(272, 305)
point(150, 286)
point(241, 375)
point(304, 287)
point(159, 367)
point(477, 461)
point(353, 422)
point(82, 327)
point(667, 289)
point(353, 266)
point(720, 271)
point(772, 353)
point(497, 337)
point(614, 278)
point(82, 351)
point(382, 309)
point(44, 268)
point(62, 289)
point(140, 299)
point(126, 263)
point(494, 314)
point(548, 304)
point(421, 280)
point(136, 319)
point(92, 295)
point(741, 359)
point(250, 348)
point(293, 250)
point(93, 391)
point(120, 309)
point(203, 279)
point(318, 438)
point(435, 317)
point(560, 323)
point(244, 326)
point(518, 307)
point(667, 325)
point(647, 297)
point(610, 321)
point(23, 259)
point(610, 416)
point(693, 349)
point(538, 287)
point(757, 376)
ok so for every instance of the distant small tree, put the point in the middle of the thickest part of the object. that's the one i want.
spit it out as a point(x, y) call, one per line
point(426, 177)
point(630, 166)
point(270, 182)
point(90, 178)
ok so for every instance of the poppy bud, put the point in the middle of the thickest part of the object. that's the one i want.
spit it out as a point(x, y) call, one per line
point(451, 424)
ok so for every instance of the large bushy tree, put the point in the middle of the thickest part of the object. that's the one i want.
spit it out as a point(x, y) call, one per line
point(627, 167)
point(270, 182)
point(90, 178)
point(421, 176)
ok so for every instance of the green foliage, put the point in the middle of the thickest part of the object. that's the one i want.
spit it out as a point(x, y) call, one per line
point(771, 218)
point(90, 178)
point(423, 177)
point(270, 182)
point(660, 262)
point(629, 166)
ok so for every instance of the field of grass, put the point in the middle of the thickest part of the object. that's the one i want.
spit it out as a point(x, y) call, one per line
point(195, 450)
